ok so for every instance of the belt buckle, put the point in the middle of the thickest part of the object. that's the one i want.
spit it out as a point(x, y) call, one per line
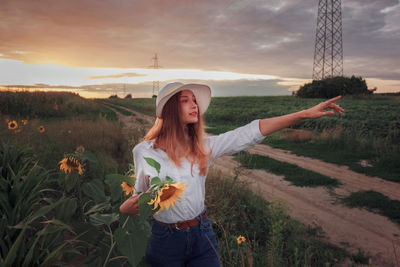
point(176, 226)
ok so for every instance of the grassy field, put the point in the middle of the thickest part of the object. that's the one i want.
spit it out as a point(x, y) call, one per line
point(54, 218)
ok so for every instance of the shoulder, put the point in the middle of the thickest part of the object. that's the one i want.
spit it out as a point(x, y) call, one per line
point(142, 147)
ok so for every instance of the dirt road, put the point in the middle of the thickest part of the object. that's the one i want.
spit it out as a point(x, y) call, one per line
point(345, 227)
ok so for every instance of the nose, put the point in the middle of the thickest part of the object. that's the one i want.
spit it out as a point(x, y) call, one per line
point(193, 103)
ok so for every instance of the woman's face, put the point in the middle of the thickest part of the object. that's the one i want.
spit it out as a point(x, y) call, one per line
point(189, 108)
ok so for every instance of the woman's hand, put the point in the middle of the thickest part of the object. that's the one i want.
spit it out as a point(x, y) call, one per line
point(320, 110)
point(130, 206)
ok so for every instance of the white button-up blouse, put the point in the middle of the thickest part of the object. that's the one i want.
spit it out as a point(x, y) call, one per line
point(192, 203)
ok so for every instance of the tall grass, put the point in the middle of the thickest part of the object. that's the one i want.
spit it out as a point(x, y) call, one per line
point(27, 105)
point(65, 135)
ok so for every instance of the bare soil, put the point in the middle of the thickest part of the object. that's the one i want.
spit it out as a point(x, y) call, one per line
point(350, 228)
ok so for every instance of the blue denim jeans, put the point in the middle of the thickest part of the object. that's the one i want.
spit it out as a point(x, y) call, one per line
point(194, 246)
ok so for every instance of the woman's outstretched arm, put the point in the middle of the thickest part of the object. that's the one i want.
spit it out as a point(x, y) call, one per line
point(271, 125)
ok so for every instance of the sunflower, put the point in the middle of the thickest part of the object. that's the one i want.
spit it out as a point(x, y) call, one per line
point(240, 239)
point(167, 196)
point(12, 125)
point(69, 164)
point(24, 122)
point(41, 129)
point(127, 188)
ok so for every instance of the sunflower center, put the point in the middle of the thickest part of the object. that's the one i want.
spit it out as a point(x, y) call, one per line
point(72, 163)
point(167, 193)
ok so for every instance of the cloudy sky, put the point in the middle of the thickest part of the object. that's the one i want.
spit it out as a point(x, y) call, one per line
point(253, 47)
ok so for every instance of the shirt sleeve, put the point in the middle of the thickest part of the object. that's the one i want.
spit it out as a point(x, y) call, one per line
point(142, 173)
point(231, 142)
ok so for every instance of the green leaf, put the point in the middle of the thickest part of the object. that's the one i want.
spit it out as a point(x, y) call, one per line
point(98, 219)
point(67, 209)
point(12, 253)
point(154, 164)
point(29, 255)
point(95, 190)
point(99, 208)
point(115, 187)
point(56, 253)
point(60, 225)
point(121, 178)
point(132, 240)
point(169, 180)
point(155, 181)
point(145, 210)
point(42, 211)
point(71, 180)
point(89, 156)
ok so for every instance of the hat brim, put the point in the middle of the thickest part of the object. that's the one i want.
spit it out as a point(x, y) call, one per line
point(201, 91)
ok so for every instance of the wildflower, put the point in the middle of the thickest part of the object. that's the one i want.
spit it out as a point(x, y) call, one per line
point(56, 107)
point(167, 196)
point(41, 129)
point(12, 125)
point(127, 188)
point(240, 239)
point(68, 164)
point(24, 122)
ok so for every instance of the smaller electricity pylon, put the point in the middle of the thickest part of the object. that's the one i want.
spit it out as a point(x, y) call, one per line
point(156, 84)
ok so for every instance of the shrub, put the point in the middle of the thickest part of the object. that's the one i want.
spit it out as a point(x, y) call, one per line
point(334, 86)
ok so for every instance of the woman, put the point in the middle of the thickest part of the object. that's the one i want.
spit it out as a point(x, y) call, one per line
point(182, 236)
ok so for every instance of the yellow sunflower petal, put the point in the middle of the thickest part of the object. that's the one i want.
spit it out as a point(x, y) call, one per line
point(168, 195)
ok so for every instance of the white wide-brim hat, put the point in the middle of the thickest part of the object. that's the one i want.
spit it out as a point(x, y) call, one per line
point(201, 92)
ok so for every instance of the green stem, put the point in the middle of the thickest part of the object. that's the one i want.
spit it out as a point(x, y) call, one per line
point(126, 221)
point(111, 247)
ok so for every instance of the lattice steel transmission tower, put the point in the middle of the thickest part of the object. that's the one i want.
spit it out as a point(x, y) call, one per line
point(328, 53)
point(156, 84)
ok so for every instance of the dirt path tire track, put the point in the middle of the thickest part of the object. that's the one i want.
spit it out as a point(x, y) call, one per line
point(352, 181)
point(345, 227)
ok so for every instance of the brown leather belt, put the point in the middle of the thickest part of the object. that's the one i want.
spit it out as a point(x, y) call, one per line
point(184, 224)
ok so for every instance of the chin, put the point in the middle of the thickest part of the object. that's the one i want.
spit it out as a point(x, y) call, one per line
point(192, 121)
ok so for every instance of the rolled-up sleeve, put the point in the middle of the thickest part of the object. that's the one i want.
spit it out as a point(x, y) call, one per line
point(231, 142)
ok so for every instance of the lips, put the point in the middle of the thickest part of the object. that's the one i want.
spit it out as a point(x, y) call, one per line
point(194, 114)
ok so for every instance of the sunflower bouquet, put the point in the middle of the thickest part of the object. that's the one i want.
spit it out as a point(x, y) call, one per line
point(162, 194)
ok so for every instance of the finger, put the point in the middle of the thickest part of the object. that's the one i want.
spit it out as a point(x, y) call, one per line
point(333, 99)
point(337, 108)
point(328, 113)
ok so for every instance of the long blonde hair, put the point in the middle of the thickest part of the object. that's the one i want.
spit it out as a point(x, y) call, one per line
point(169, 134)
